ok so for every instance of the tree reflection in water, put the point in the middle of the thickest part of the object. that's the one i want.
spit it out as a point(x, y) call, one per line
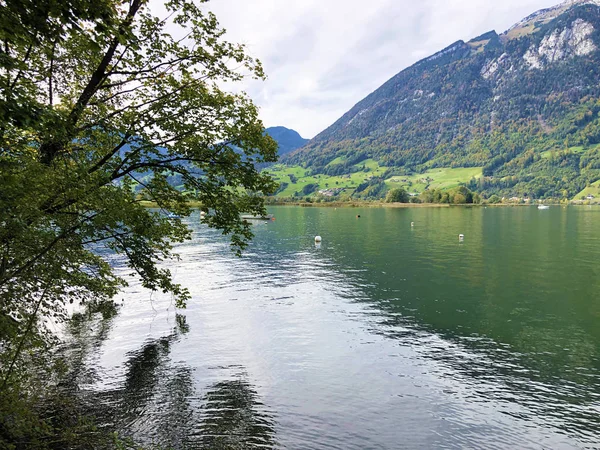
point(234, 418)
point(157, 403)
point(86, 333)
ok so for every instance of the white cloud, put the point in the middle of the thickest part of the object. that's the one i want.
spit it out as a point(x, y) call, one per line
point(323, 56)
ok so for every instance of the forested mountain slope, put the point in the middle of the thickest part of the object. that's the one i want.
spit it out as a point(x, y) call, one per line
point(524, 105)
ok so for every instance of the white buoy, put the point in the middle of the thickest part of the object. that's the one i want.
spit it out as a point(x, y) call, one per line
point(461, 237)
point(318, 239)
point(412, 224)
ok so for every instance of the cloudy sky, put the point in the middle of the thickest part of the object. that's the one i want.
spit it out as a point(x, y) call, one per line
point(323, 56)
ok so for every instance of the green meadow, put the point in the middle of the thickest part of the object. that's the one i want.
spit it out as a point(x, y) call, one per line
point(444, 178)
point(576, 150)
point(297, 178)
point(593, 189)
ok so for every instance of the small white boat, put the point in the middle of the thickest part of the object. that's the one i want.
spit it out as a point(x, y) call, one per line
point(543, 207)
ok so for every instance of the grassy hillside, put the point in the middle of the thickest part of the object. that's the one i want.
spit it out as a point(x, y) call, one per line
point(593, 189)
point(298, 178)
point(295, 179)
point(578, 150)
point(435, 179)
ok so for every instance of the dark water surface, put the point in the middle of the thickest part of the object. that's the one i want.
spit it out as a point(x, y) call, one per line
point(383, 337)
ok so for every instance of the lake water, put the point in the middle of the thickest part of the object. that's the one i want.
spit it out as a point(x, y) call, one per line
point(383, 337)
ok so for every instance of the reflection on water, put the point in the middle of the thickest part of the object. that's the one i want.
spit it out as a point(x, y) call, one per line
point(157, 402)
point(232, 419)
point(88, 330)
point(383, 334)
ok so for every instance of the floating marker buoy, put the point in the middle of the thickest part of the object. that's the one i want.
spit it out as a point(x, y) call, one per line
point(358, 216)
point(461, 237)
point(412, 224)
point(317, 238)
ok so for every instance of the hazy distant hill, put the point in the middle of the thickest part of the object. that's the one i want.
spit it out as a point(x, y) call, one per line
point(288, 140)
point(524, 105)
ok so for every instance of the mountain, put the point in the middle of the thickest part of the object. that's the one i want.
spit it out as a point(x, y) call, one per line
point(523, 105)
point(288, 140)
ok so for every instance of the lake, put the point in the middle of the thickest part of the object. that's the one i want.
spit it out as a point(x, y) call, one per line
point(385, 336)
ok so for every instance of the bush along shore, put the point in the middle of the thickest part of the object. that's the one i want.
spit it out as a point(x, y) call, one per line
point(399, 198)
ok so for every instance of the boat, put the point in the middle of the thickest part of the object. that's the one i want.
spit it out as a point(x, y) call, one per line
point(255, 217)
point(543, 207)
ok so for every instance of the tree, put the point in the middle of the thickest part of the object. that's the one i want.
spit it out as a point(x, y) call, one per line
point(101, 104)
point(397, 195)
point(459, 199)
point(309, 188)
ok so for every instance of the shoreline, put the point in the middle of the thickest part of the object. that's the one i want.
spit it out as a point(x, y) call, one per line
point(365, 204)
point(353, 204)
point(379, 204)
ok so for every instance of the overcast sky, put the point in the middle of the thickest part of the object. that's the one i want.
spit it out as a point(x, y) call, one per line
point(323, 56)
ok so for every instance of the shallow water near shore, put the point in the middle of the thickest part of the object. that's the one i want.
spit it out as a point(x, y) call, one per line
point(384, 336)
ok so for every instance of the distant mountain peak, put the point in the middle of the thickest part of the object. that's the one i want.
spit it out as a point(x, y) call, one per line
point(532, 22)
point(287, 139)
point(570, 3)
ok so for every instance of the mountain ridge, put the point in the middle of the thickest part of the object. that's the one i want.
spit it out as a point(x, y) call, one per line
point(485, 103)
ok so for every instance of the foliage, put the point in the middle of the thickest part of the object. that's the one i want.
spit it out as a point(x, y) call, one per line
point(459, 195)
point(494, 199)
point(100, 107)
point(372, 189)
point(309, 189)
point(397, 195)
point(282, 187)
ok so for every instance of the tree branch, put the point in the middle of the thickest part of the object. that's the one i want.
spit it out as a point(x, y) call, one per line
point(22, 341)
point(108, 156)
point(49, 150)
